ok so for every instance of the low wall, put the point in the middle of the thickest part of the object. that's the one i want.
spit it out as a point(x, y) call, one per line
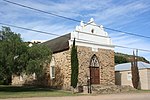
point(101, 89)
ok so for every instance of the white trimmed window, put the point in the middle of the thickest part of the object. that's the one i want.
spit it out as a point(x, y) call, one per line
point(20, 78)
point(129, 76)
point(52, 68)
point(52, 71)
point(34, 76)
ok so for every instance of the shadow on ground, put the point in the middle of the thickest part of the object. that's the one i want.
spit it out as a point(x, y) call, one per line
point(24, 89)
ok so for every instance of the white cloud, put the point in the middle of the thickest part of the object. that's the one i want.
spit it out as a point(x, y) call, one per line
point(110, 13)
point(121, 14)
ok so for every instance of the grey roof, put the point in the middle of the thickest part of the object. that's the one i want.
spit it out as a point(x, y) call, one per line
point(59, 44)
point(127, 66)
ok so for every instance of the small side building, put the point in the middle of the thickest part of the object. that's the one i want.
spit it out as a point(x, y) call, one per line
point(123, 75)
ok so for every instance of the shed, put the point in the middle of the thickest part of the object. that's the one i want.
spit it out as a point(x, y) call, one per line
point(123, 75)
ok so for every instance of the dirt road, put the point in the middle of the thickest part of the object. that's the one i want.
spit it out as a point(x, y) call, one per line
point(135, 96)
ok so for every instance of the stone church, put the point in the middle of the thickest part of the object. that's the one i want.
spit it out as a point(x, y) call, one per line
point(95, 55)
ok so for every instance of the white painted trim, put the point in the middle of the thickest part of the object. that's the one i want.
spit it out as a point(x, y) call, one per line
point(52, 64)
point(98, 38)
point(92, 34)
point(92, 45)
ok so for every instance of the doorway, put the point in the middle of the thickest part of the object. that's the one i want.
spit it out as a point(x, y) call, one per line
point(94, 70)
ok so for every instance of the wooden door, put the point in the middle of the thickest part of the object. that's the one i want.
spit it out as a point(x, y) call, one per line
point(94, 70)
point(95, 79)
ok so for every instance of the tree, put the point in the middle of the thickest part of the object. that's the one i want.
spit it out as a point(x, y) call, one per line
point(38, 55)
point(135, 72)
point(74, 66)
point(16, 57)
point(11, 47)
point(120, 59)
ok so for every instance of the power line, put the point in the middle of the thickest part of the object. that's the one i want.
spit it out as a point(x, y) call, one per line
point(41, 11)
point(132, 48)
point(75, 20)
point(126, 32)
point(42, 32)
point(29, 29)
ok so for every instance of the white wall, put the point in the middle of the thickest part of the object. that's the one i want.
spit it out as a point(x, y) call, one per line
point(143, 79)
point(84, 36)
point(122, 78)
point(148, 77)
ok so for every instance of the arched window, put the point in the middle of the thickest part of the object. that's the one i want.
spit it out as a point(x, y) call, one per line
point(94, 61)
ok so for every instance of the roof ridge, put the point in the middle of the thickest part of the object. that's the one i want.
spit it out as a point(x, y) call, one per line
point(143, 64)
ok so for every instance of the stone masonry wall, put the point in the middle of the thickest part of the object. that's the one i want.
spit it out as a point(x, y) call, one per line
point(62, 70)
point(62, 74)
point(23, 80)
point(106, 61)
point(63, 67)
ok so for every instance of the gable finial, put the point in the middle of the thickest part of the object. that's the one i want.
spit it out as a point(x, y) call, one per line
point(92, 20)
point(81, 24)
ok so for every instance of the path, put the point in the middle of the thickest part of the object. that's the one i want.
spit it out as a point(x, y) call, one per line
point(133, 96)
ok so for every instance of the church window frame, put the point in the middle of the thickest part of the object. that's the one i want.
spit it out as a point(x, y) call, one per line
point(52, 68)
point(52, 71)
point(94, 61)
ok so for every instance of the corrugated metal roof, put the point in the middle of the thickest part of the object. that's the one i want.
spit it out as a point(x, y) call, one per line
point(127, 66)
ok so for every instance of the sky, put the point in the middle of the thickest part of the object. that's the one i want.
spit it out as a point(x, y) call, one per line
point(125, 15)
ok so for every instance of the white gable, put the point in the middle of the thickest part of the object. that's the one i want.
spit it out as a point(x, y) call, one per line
point(91, 35)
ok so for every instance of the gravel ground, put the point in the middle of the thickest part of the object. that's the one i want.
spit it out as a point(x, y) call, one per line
point(127, 96)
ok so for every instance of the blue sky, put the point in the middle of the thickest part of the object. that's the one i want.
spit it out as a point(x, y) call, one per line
point(126, 15)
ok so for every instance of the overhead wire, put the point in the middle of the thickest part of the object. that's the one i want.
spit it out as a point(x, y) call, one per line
point(49, 33)
point(41, 11)
point(29, 29)
point(75, 20)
